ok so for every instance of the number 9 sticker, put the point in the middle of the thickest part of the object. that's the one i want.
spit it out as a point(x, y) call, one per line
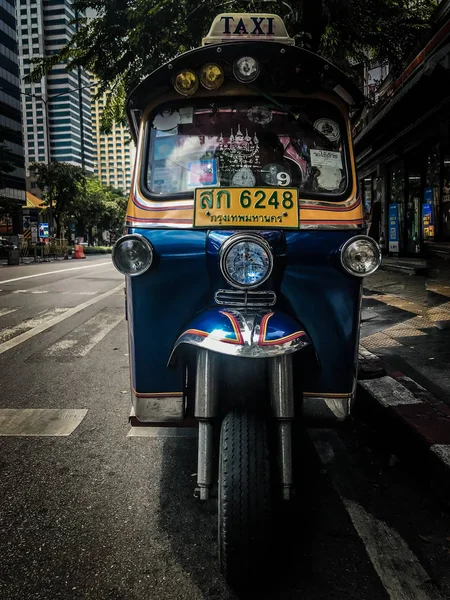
point(283, 179)
point(273, 174)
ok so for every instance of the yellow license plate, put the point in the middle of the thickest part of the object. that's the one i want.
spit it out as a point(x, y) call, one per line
point(273, 208)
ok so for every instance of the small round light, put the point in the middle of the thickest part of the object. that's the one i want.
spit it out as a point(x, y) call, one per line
point(132, 254)
point(186, 82)
point(211, 76)
point(361, 256)
point(246, 69)
point(246, 260)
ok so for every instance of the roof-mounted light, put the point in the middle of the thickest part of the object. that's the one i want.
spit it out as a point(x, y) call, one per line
point(246, 69)
point(186, 82)
point(211, 76)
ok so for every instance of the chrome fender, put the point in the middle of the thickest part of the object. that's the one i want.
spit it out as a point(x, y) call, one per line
point(250, 333)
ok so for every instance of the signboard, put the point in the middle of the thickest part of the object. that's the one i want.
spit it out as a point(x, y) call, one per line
point(34, 232)
point(43, 230)
point(394, 244)
point(427, 221)
point(258, 27)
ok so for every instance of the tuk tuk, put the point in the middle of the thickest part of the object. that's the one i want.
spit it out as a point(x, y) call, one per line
point(244, 256)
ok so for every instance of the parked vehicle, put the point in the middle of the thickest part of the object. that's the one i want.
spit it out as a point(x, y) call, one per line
point(5, 246)
point(244, 257)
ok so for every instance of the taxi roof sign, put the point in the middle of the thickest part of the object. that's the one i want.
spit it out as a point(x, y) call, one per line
point(250, 27)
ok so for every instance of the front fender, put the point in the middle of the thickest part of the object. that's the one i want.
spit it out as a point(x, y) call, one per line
point(248, 333)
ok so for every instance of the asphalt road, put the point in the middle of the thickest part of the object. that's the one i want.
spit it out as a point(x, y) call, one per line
point(98, 515)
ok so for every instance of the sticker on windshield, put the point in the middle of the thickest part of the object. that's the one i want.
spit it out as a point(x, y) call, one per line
point(166, 180)
point(202, 172)
point(186, 115)
point(260, 114)
point(329, 179)
point(166, 120)
point(243, 178)
point(326, 158)
point(164, 147)
point(328, 128)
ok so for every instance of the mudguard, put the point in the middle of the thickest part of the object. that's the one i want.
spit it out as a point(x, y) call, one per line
point(249, 333)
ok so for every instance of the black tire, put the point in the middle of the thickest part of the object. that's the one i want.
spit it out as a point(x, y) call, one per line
point(244, 506)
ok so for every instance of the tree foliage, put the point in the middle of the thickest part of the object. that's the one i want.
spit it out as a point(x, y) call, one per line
point(60, 184)
point(76, 197)
point(130, 38)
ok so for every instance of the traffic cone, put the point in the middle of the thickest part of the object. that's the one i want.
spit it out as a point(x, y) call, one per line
point(79, 252)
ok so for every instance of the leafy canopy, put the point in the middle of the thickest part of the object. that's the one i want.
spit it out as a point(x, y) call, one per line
point(73, 196)
point(128, 39)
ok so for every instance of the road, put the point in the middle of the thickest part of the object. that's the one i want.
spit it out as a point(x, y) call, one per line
point(98, 514)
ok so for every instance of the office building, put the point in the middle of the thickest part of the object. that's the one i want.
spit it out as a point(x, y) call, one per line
point(113, 152)
point(57, 115)
point(12, 192)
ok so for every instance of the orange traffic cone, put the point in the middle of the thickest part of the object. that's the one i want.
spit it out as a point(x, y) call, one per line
point(79, 252)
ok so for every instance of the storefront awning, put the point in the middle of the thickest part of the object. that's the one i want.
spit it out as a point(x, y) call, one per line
point(33, 201)
point(442, 57)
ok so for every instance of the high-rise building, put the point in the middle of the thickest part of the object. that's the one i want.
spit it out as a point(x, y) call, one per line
point(57, 110)
point(113, 151)
point(11, 144)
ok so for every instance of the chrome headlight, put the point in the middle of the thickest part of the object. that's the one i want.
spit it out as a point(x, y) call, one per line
point(246, 69)
point(132, 254)
point(360, 256)
point(246, 260)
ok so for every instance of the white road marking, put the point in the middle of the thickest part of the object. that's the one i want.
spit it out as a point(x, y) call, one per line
point(53, 292)
point(27, 324)
point(109, 263)
point(398, 568)
point(30, 422)
point(83, 338)
point(29, 292)
point(50, 323)
point(7, 311)
point(389, 392)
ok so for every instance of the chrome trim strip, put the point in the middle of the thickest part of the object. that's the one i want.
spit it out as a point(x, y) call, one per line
point(329, 408)
point(303, 226)
point(249, 323)
point(243, 298)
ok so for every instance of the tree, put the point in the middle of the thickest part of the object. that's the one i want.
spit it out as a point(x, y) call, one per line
point(128, 40)
point(61, 184)
point(99, 208)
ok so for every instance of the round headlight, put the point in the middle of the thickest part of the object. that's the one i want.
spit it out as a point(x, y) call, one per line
point(361, 256)
point(246, 260)
point(246, 69)
point(132, 254)
point(186, 82)
point(211, 76)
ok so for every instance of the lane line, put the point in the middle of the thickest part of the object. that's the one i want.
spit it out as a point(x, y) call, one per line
point(58, 271)
point(82, 339)
point(7, 311)
point(8, 333)
point(399, 570)
point(44, 326)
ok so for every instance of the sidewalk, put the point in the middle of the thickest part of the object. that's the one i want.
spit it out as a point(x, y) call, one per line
point(405, 331)
point(406, 321)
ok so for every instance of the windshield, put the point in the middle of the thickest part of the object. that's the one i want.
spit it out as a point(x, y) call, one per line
point(248, 145)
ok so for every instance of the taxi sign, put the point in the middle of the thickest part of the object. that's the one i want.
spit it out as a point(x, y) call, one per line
point(250, 27)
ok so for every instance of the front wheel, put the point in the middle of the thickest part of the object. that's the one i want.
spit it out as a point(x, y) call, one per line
point(245, 506)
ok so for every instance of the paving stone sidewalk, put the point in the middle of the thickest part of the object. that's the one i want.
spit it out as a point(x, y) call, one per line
point(406, 322)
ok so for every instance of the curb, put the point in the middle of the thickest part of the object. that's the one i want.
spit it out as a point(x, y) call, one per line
point(416, 423)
